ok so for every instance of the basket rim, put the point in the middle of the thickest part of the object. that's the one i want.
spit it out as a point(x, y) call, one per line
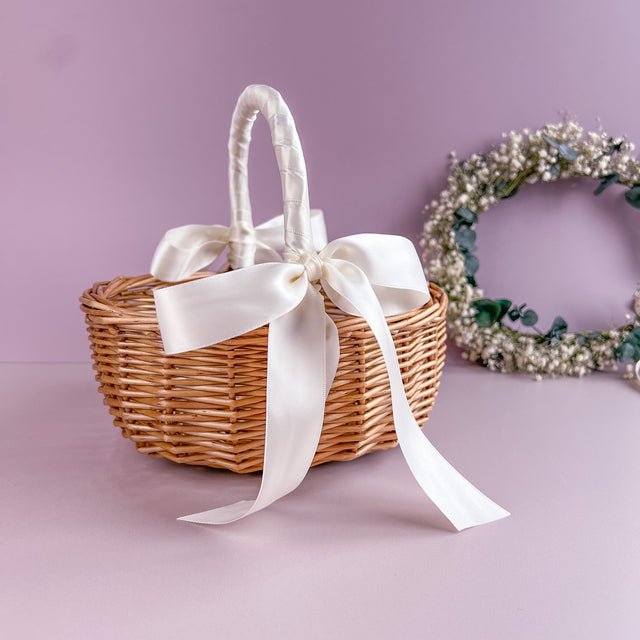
point(100, 298)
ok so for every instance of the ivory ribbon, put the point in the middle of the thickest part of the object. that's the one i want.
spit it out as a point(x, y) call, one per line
point(190, 248)
point(368, 275)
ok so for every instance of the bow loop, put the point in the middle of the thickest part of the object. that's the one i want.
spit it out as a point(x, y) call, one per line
point(196, 314)
point(187, 249)
point(390, 264)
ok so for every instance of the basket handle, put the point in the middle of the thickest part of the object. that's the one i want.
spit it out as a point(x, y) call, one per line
point(293, 174)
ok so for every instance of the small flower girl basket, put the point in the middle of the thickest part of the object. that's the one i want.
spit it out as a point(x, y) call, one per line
point(325, 356)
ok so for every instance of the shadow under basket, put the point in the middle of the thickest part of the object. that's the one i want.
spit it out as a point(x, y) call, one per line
point(207, 407)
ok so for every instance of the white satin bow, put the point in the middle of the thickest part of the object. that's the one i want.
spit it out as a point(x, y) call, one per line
point(366, 275)
point(192, 247)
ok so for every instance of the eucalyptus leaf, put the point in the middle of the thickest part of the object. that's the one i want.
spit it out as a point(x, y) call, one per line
point(484, 304)
point(633, 196)
point(484, 319)
point(581, 340)
point(514, 314)
point(465, 215)
point(471, 265)
point(558, 329)
point(465, 239)
point(567, 152)
point(633, 338)
point(529, 318)
point(504, 307)
point(627, 351)
point(554, 170)
point(487, 312)
point(606, 181)
point(563, 150)
point(615, 147)
point(559, 325)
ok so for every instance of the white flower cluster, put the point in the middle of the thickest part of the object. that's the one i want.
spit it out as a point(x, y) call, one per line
point(554, 152)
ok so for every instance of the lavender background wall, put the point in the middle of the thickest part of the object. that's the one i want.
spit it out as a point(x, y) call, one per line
point(114, 118)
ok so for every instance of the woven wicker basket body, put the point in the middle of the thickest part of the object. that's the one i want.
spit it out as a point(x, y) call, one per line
point(207, 407)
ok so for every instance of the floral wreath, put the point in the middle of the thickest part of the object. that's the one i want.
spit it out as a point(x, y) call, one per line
point(476, 323)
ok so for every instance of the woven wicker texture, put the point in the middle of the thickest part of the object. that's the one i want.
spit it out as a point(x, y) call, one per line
point(207, 407)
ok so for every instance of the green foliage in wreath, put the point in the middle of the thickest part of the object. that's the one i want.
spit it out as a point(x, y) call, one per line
point(477, 323)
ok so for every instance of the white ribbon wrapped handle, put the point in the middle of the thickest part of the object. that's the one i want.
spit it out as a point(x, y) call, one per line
point(293, 173)
point(190, 248)
point(368, 275)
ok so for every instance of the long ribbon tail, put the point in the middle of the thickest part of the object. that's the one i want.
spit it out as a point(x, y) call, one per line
point(297, 377)
point(462, 503)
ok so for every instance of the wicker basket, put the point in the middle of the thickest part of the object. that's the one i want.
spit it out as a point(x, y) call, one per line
point(207, 406)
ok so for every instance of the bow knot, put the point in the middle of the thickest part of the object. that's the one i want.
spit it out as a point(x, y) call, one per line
point(312, 264)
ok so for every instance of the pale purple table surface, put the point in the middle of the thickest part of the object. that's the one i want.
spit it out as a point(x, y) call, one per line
point(91, 549)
